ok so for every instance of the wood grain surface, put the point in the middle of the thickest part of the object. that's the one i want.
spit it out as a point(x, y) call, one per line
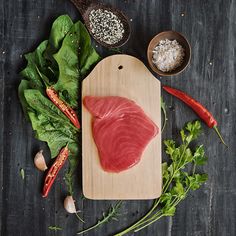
point(124, 76)
point(211, 30)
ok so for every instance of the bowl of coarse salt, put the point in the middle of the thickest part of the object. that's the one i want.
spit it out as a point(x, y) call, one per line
point(168, 53)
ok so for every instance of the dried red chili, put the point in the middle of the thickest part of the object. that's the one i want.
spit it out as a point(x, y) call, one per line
point(201, 111)
point(65, 108)
point(55, 168)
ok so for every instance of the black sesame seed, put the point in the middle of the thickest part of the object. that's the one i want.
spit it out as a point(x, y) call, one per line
point(106, 26)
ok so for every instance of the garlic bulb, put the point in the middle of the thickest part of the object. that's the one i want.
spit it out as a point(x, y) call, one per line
point(69, 204)
point(39, 161)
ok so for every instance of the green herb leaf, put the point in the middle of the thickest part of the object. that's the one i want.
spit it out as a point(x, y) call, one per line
point(35, 59)
point(169, 211)
point(165, 173)
point(197, 180)
point(50, 124)
point(22, 173)
point(54, 228)
point(178, 189)
point(72, 68)
point(166, 198)
point(59, 30)
point(170, 147)
point(199, 156)
point(194, 129)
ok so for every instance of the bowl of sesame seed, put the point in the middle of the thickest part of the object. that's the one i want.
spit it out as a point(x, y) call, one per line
point(108, 26)
point(169, 53)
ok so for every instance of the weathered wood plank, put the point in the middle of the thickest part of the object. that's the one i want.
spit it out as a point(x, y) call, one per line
point(211, 30)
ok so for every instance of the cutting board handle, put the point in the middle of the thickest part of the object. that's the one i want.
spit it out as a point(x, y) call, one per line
point(82, 5)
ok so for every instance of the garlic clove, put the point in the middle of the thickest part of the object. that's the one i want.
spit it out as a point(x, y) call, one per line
point(69, 205)
point(39, 161)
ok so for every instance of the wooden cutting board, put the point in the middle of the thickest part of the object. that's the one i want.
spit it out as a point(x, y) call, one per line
point(125, 76)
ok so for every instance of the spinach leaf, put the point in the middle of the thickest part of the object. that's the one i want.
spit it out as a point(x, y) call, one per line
point(57, 59)
point(74, 58)
point(24, 84)
point(49, 123)
point(35, 59)
point(60, 28)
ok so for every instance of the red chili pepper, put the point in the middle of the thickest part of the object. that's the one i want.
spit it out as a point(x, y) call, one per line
point(65, 108)
point(52, 173)
point(201, 111)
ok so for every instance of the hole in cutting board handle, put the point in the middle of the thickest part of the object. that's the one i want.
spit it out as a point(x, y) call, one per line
point(120, 67)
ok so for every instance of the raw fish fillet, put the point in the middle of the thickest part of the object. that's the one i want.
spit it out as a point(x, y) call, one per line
point(121, 131)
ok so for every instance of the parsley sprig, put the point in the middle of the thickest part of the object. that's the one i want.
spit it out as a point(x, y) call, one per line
point(178, 177)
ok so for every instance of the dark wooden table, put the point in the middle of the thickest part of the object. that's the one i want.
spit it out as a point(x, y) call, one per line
point(210, 27)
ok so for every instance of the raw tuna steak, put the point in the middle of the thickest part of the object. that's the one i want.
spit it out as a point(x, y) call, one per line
point(121, 131)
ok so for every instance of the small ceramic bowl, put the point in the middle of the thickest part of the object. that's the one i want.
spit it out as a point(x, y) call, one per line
point(171, 35)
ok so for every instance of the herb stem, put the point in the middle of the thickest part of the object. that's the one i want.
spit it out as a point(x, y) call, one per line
point(90, 228)
point(111, 215)
point(157, 214)
point(135, 225)
point(163, 108)
point(79, 218)
point(157, 218)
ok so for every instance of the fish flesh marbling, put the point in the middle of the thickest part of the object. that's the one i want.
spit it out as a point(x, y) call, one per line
point(121, 131)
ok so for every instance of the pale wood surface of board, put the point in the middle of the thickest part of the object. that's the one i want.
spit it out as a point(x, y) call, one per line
point(125, 76)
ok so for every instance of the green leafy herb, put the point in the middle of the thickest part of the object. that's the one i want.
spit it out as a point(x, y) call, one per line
point(71, 66)
point(112, 214)
point(116, 50)
point(177, 180)
point(54, 228)
point(69, 182)
point(62, 61)
point(163, 108)
point(22, 173)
